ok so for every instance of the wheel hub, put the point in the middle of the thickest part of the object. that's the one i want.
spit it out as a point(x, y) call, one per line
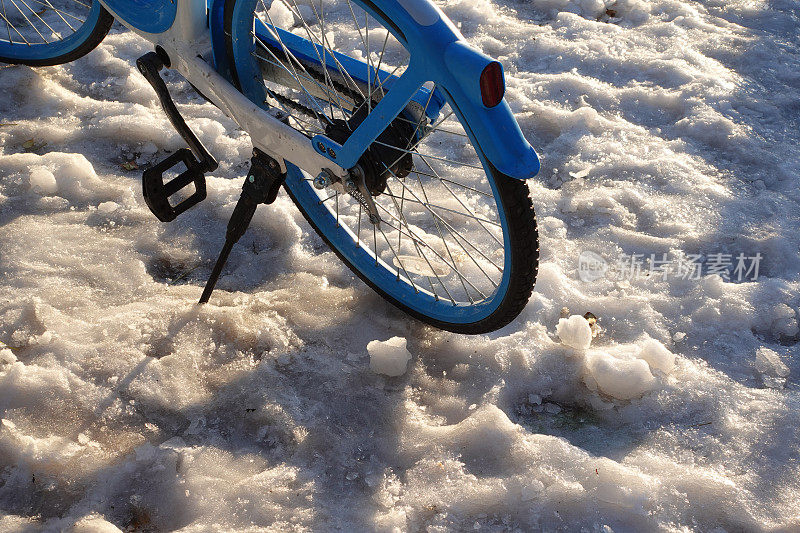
point(389, 155)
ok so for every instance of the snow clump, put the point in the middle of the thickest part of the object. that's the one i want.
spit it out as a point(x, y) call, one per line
point(390, 357)
point(620, 378)
point(575, 332)
point(773, 371)
point(43, 181)
point(657, 356)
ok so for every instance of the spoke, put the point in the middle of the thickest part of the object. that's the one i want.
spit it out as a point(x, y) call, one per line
point(289, 57)
point(473, 189)
point(325, 45)
point(43, 21)
point(480, 220)
point(375, 243)
point(369, 64)
point(316, 128)
point(452, 265)
point(428, 204)
point(366, 47)
point(297, 77)
point(453, 232)
point(421, 117)
point(334, 195)
point(419, 244)
point(444, 241)
point(312, 38)
point(29, 22)
point(414, 242)
point(58, 11)
point(380, 61)
point(428, 131)
point(429, 156)
point(9, 25)
point(81, 4)
point(399, 262)
point(433, 128)
point(62, 18)
point(379, 86)
point(358, 232)
point(400, 214)
point(281, 65)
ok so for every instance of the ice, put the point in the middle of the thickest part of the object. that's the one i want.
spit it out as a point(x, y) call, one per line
point(43, 181)
point(389, 357)
point(94, 524)
point(773, 371)
point(657, 356)
point(108, 207)
point(574, 332)
point(126, 406)
point(618, 377)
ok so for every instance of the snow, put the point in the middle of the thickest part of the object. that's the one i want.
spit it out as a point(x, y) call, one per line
point(43, 181)
point(657, 356)
point(125, 405)
point(618, 377)
point(389, 357)
point(773, 371)
point(574, 332)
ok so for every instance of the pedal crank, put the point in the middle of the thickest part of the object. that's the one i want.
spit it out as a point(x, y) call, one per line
point(196, 158)
point(260, 187)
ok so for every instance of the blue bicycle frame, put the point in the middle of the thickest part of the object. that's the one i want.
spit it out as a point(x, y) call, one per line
point(434, 44)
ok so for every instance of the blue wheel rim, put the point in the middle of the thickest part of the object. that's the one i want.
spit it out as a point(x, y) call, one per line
point(47, 51)
point(340, 237)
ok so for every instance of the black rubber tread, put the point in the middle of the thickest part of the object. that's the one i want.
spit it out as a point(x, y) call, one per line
point(99, 33)
point(514, 199)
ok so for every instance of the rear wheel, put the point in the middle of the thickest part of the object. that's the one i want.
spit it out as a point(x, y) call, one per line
point(50, 32)
point(456, 245)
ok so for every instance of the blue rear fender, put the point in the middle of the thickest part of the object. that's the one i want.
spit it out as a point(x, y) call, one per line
point(426, 32)
point(439, 54)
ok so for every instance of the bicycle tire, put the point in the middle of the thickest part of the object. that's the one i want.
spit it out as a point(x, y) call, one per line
point(83, 40)
point(511, 195)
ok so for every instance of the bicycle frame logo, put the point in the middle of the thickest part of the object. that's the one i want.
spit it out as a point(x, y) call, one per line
point(189, 29)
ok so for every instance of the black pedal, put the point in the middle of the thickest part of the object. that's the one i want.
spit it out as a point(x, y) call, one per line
point(157, 193)
point(196, 158)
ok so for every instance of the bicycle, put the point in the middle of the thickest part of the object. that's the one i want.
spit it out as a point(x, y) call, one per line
point(390, 134)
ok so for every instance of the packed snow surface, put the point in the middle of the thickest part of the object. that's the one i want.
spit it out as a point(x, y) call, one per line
point(664, 127)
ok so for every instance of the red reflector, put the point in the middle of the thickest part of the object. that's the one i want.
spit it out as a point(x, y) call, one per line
point(493, 87)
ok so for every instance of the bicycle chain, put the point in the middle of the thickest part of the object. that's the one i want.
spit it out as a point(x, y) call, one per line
point(320, 77)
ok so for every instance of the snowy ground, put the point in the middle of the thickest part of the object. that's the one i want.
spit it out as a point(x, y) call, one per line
point(664, 127)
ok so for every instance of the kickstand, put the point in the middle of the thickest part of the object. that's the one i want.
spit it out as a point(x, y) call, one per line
point(260, 187)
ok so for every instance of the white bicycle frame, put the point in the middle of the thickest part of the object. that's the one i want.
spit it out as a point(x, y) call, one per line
point(186, 42)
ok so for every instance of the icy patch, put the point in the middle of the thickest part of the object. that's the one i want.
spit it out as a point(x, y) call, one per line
point(390, 357)
point(773, 371)
point(575, 332)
